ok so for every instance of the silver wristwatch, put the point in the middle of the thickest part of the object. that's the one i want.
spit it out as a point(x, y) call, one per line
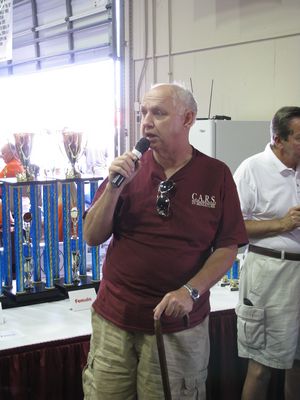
point(194, 293)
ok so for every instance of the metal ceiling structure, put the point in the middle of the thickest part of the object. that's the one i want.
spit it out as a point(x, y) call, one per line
point(60, 32)
point(56, 33)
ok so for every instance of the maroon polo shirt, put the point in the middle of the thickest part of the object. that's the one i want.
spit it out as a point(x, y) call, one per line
point(150, 255)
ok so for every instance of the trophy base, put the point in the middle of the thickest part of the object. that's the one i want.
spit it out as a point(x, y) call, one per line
point(25, 177)
point(6, 302)
point(85, 282)
point(73, 174)
point(223, 284)
point(35, 295)
point(234, 285)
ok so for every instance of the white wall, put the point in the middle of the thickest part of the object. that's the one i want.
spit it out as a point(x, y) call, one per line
point(249, 48)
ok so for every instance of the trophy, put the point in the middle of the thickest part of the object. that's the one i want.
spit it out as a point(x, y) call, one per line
point(235, 275)
point(225, 280)
point(23, 143)
point(74, 246)
point(28, 283)
point(73, 145)
point(231, 278)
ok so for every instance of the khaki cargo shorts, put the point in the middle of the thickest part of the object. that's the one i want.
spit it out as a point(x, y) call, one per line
point(123, 365)
point(268, 330)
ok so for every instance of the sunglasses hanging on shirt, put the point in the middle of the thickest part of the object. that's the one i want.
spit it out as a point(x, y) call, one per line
point(165, 189)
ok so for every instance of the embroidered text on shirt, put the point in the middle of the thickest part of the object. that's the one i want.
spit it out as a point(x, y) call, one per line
point(203, 200)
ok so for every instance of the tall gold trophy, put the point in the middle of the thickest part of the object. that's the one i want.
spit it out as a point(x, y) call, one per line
point(23, 143)
point(74, 246)
point(74, 147)
point(27, 248)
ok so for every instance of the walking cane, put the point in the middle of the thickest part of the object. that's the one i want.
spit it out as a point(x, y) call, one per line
point(162, 360)
point(162, 356)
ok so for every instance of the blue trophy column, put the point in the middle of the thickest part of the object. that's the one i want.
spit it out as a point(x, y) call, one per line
point(19, 258)
point(7, 274)
point(51, 260)
point(66, 196)
point(35, 210)
point(95, 249)
point(81, 242)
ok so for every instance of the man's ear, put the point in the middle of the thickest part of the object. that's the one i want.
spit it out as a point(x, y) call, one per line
point(189, 119)
point(277, 140)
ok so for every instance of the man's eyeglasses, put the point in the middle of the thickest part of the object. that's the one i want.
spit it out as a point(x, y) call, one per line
point(163, 201)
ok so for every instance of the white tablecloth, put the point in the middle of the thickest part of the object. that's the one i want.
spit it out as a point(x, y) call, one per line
point(46, 322)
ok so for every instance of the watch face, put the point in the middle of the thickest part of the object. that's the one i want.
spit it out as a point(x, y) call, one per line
point(195, 294)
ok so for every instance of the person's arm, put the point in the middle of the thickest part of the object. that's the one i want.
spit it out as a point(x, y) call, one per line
point(273, 227)
point(98, 222)
point(178, 302)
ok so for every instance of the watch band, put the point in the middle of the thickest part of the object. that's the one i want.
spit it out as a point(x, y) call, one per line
point(194, 293)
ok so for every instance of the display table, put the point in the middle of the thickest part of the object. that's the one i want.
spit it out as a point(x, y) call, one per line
point(40, 323)
point(44, 347)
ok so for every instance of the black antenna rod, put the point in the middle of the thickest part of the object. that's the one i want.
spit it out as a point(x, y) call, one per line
point(211, 92)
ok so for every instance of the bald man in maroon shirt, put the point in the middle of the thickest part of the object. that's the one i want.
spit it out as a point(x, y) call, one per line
point(175, 224)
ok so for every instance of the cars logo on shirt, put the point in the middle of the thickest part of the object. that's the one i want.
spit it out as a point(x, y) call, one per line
point(203, 200)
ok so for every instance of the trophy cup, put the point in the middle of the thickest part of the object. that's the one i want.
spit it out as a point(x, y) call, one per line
point(73, 142)
point(23, 143)
point(28, 283)
point(74, 247)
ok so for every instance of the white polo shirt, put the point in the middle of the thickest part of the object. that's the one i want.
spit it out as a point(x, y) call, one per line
point(267, 189)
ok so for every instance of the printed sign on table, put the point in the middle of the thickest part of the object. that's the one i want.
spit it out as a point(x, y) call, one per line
point(82, 299)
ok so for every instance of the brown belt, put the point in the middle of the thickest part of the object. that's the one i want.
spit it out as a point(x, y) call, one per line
point(282, 255)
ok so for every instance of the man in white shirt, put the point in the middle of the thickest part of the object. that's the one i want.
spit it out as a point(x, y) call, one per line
point(268, 312)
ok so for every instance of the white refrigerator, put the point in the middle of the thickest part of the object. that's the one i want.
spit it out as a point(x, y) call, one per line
point(230, 141)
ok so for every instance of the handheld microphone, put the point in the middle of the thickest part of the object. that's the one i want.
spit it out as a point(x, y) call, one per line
point(140, 148)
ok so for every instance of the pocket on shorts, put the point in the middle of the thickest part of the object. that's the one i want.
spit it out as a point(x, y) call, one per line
point(251, 326)
point(193, 387)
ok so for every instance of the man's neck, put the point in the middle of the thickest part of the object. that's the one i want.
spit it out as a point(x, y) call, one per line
point(172, 163)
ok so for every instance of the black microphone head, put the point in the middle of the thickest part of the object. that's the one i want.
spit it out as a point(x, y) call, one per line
point(142, 145)
point(140, 148)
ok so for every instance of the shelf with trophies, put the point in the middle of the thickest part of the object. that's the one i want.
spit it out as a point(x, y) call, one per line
point(38, 262)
